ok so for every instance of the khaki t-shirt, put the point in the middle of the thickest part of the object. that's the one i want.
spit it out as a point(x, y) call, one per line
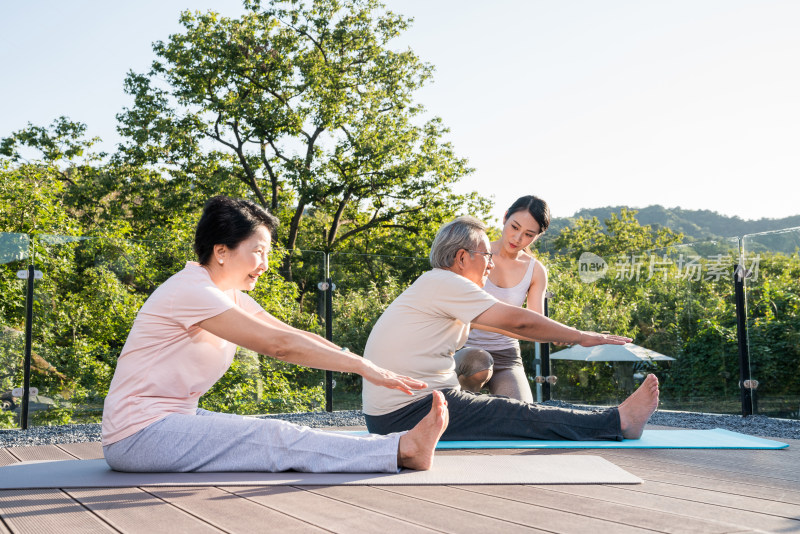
point(418, 334)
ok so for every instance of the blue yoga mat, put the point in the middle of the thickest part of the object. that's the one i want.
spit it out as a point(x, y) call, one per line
point(717, 438)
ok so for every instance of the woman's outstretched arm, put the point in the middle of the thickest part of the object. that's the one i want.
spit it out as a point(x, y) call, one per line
point(271, 337)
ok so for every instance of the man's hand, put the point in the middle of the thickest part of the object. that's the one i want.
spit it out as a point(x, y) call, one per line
point(592, 339)
point(382, 377)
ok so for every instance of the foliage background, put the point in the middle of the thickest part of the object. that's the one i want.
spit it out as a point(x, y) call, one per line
point(307, 108)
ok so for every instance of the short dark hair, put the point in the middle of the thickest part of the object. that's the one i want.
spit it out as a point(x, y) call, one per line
point(537, 207)
point(229, 221)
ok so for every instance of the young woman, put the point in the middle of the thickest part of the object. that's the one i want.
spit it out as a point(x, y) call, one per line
point(184, 339)
point(488, 358)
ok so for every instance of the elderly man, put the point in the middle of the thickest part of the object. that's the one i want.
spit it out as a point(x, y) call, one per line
point(420, 331)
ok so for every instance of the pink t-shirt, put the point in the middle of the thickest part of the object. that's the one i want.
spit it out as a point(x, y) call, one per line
point(168, 362)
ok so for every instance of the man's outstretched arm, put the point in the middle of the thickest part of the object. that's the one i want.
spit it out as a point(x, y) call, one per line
point(526, 324)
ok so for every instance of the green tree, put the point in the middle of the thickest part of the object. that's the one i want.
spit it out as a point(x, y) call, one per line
point(303, 107)
point(58, 208)
point(32, 191)
point(622, 234)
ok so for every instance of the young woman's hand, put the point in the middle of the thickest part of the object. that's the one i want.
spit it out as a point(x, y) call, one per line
point(591, 339)
point(383, 377)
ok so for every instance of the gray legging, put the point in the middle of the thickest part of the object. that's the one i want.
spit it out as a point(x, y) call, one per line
point(210, 441)
point(508, 375)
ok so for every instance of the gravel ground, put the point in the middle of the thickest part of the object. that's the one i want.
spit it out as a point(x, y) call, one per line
point(757, 425)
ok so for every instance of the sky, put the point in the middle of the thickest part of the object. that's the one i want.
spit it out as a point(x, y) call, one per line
point(584, 103)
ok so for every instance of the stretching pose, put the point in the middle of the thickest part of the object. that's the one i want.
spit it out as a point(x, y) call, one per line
point(183, 340)
point(492, 359)
point(420, 331)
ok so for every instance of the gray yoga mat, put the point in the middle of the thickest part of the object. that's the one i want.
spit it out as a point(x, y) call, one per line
point(467, 469)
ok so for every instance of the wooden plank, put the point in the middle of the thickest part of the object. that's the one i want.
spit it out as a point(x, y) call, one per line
point(330, 514)
point(46, 512)
point(725, 499)
point(738, 490)
point(728, 487)
point(84, 451)
point(134, 510)
point(427, 514)
point(562, 498)
point(514, 512)
point(231, 512)
point(639, 466)
point(39, 453)
point(649, 464)
point(778, 464)
point(6, 458)
point(650, 502)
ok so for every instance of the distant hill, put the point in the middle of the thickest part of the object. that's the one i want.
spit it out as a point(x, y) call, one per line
point(695, 225)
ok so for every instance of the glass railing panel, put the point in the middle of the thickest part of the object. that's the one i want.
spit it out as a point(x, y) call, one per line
point(14, 254)
point(256, 384)
point(89, 295)
point(84, 306)
point(676, 302)
point(365, 286)
point(291, 292)
point(772, 289)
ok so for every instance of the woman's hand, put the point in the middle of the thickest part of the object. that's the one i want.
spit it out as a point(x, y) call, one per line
point(382, 377)
point(591, 339)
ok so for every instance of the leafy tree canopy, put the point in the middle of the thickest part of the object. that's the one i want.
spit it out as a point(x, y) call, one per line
point(304, 108)
point(622, 234)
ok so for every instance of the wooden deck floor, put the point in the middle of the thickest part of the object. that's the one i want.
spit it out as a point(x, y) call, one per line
point(684, 491)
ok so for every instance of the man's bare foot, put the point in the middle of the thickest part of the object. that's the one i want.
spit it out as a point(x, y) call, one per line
point(417, 445)
point(637, 409)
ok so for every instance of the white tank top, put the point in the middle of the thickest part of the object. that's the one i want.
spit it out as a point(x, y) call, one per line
point(514, 296)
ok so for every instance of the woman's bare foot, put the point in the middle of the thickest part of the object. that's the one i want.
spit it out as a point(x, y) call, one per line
point(637, 409)
point(417, 445)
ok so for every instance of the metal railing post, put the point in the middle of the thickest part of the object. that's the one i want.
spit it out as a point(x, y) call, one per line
point(746, 383)
point(328, 330)
point(329, 337)
point(545, 356)
point(26, 382)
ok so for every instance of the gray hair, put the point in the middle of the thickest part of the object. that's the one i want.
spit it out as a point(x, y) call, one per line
point(462, 233)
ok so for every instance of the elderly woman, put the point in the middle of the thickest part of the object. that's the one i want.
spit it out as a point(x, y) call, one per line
point(184, 339)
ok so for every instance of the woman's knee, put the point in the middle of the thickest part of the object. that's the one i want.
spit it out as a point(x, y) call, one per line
point(472, 360)
point(512, 383)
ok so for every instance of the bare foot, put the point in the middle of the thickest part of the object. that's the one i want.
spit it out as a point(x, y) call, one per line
point(417, 445)
point(637, 409)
